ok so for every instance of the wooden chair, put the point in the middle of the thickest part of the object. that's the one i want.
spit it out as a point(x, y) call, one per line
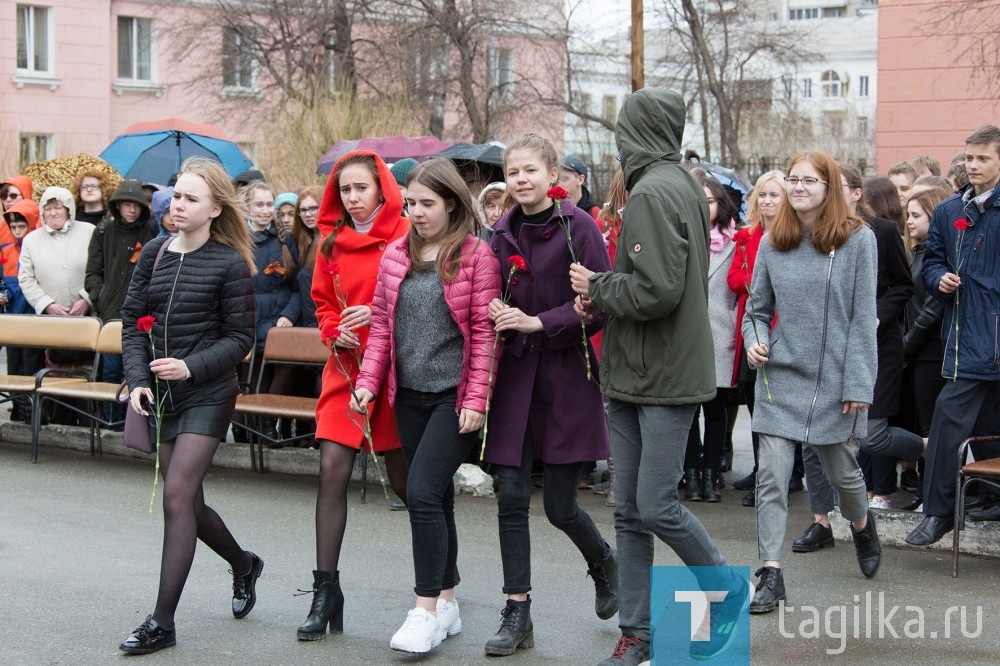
point(985, 472)
point(95, 393)
point(46, 332)
point(284, 346)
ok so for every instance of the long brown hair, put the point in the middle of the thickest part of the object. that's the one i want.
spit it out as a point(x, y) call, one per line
point(440, 176)
point(608, 216)
point(230, 227)
point(369, 163)
point(246, 194)
point(304, 237)
point(834, 224)
point(881, 198)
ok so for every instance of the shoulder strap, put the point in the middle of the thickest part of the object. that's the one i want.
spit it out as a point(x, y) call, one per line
point(159, 254)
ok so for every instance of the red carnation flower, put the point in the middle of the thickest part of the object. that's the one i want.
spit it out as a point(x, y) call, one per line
point(332, 269)
point(558, 193)
point(517, 262)
point(3, 260)
point(961, 224)
point(145, 324)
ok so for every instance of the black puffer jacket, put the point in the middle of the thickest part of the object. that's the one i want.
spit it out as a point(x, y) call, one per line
point(204, 309)
point(924, 313)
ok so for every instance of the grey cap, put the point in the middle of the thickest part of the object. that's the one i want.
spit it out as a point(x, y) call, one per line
point(574, 163)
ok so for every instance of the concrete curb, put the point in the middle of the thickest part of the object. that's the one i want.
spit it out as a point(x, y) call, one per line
point(978, 538)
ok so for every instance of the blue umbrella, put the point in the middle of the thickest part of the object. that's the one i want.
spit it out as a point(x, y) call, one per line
point(154, 151)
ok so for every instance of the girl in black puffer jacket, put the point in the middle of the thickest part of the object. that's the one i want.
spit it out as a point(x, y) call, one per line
point(186, 326)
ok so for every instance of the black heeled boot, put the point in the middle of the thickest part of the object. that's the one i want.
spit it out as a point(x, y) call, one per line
point(692, 485)
point(605, 575)
point(516, 630)
point(710, 485)
point(327, 607)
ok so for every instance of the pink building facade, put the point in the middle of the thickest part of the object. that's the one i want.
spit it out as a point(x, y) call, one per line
point(75, 73)
point(928, 100)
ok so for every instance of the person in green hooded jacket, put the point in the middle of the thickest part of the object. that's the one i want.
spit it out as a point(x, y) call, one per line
point(658, 365)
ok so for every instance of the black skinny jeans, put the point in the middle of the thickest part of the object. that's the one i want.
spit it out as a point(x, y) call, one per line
point(716, 428)
point(559, 497)
point(434, 450)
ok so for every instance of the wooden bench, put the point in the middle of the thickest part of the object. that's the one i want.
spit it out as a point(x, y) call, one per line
point(284, 346)
point(46, 332)
point(95, 393)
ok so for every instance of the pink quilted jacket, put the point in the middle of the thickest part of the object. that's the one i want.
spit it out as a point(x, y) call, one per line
point(468, 297)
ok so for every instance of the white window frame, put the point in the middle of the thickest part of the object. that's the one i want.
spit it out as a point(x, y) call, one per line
point(807, 87)
point(863, 83)
point(502, 78)
point(125, 84)
point(28, 152)
point(832, 83)
point(136, 49)
point(239, 88)
point(28, 75)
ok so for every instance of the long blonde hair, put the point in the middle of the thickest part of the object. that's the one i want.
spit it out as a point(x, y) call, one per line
point(928, 200)
point(247, 193)
point(753, 217)
point(230, 227)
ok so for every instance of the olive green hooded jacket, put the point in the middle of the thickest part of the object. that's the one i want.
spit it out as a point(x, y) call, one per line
point(657, 347)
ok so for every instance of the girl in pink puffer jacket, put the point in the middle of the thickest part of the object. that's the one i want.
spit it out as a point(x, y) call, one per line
point(430, 345)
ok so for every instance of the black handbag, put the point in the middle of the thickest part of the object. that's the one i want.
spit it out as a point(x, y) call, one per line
point(136, 425)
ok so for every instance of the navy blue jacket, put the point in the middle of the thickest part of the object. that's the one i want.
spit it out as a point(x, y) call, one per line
point(972, 349)
point(274, 296)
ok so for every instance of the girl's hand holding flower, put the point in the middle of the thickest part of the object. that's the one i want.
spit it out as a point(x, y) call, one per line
point(496, 307)
point(579, 278)
point(470, 421)
point(757, 355)
point(169, 369)
point(512, 319)
point(354, 317)
point(360, 405)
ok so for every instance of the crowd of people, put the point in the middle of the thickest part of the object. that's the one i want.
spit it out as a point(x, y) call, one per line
point(528, 325)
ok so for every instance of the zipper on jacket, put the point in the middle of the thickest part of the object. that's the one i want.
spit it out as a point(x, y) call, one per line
point(822, 346)
point(166, 319)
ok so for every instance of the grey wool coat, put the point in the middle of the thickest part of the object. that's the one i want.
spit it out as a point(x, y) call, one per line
point(815, 363)
point(722, 316)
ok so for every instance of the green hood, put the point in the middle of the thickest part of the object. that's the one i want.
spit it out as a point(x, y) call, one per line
point(650, 127)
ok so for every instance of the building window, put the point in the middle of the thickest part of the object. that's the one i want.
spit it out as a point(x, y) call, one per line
point(862, 86)
point(807, 87)
point(755, 93)
point(831, 83)
point(834, 12)
point(33, 42)
point(609, 108)
point(35, 148)
point(803, 14)
point(862, 126)
point(239, 69)
point(788, 85)
point(135, 48)
point(836, 126)
point(502, 73)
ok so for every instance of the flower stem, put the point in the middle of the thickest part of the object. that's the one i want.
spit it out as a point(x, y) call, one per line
point(489, 394)
point(364, 424)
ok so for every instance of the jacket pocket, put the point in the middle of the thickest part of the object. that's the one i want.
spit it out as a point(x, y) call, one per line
point(632, 340)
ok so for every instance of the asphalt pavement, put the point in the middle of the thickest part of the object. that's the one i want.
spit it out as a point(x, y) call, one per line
point(79, 559)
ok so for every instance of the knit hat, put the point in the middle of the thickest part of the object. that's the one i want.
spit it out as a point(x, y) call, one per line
point(161, 204)
point(574, 163)
point(129, 190)
point(60, 194)
point(401, 170)
point(22, 183)
point(285, 198)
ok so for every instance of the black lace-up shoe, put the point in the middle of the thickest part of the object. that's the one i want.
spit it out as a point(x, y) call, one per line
point(149, 637)
point(245, 587)
point(815, 537)
point(770, 590)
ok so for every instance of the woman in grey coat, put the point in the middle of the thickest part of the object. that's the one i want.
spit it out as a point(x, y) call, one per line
point(816, 271)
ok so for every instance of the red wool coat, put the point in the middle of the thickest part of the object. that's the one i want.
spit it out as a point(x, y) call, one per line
point(468, 297)
point(355, 260)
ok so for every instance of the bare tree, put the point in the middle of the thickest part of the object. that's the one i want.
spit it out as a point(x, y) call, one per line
point(971, 27)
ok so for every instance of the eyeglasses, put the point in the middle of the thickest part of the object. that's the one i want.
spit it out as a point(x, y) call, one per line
point(11, 195)
point(311, 210)
point(806, 182)
point(87, 188)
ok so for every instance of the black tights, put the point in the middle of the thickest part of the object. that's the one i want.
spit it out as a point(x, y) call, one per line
point(336, 462)
point(186, 518)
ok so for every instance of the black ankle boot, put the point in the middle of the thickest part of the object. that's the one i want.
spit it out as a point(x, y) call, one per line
point(516, 630)
point(710, 485)
point(605, 575)
point(245, 587)
point(692, 485)
point(148, 638)
point(770, 590)
point(327, 607)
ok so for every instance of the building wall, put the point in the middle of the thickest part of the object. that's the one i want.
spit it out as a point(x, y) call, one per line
point(928, 102)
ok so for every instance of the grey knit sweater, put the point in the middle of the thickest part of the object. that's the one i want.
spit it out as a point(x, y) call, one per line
point(809, 379)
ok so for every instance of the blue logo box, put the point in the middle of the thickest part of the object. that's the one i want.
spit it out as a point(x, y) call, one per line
point(680, 631)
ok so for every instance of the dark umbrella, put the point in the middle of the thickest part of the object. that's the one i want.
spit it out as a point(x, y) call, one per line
point(731, 178)
point(153, 151)
point(479, 163)
point(389, 148)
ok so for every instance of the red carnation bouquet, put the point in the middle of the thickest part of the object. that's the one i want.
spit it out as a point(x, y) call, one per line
point(558, 195)
point(517, 263)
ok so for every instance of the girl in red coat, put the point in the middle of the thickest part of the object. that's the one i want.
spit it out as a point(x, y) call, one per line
point(430, 347)
point(359, 216)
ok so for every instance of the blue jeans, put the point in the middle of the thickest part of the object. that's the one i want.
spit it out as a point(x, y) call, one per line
point(434, 450)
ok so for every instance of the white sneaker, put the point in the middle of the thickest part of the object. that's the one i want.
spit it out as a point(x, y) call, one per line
point(448, 618)
point(419, 633)
point(877, 502)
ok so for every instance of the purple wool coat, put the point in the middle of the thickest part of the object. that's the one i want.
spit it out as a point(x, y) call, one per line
point(542, 378)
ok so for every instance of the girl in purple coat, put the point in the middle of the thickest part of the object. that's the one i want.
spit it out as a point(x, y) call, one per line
point(544, 407)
